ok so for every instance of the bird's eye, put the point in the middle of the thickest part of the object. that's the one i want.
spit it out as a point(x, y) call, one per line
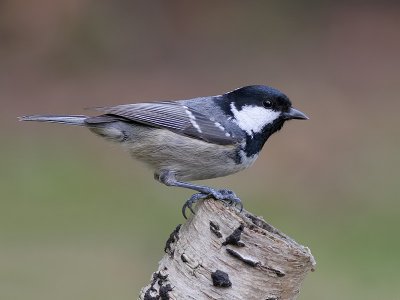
point(267, 104)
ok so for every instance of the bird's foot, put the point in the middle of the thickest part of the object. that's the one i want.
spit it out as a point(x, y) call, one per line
point(226, 196)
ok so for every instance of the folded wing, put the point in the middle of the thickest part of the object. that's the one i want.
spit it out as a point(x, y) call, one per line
point(176, 117)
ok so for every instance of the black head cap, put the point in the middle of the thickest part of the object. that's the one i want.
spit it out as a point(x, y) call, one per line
point(260, 95)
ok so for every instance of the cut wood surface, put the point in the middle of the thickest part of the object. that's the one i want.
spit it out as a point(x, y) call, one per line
point(220, 253)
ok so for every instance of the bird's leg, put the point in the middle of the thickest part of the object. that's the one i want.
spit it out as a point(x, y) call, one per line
point(168, 178)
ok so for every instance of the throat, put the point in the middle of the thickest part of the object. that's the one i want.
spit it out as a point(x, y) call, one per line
point(256, 142)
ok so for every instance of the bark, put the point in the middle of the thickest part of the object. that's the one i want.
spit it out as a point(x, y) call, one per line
point(220, 253)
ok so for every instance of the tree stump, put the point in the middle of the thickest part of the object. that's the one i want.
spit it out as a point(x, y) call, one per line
point(220, 253)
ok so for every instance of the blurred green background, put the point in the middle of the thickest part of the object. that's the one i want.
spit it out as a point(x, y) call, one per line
point(80, 220)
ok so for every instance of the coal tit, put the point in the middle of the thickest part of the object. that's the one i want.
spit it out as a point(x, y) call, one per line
point(194, 139)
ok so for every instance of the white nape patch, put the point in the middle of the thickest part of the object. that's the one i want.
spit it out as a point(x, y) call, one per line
point(253, 119)
point(192, 119)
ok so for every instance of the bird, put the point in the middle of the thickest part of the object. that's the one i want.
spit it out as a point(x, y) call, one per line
point(193, 139)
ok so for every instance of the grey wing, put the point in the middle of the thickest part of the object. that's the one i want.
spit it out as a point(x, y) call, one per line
point(176, 117)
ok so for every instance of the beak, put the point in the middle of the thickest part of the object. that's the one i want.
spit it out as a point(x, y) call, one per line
point(294, 114)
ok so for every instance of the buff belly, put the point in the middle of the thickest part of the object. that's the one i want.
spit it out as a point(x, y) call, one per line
point(187, 158)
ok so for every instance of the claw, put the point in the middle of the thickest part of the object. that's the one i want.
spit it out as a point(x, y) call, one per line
point(237, 202)
point(187, 206)
point(192, 200)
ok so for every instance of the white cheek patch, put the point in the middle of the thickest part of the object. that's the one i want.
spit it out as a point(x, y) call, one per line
point(253, 119)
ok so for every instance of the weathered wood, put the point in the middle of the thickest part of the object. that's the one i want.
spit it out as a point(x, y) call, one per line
point(220, 253)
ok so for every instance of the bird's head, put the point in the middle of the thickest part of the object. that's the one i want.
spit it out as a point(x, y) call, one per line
point(259, 111)
point(259, 108)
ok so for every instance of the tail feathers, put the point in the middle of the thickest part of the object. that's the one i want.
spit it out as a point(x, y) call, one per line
point(69, 120)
